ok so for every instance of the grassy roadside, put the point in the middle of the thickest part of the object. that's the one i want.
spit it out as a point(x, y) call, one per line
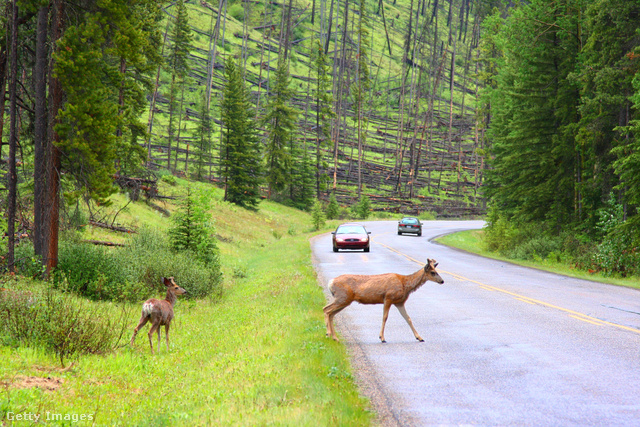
point(471, 241)
point(257, 356)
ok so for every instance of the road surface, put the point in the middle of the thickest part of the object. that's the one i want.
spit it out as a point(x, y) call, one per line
point(504, 345)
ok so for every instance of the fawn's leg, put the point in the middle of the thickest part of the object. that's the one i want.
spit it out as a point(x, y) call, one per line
point(166, 335)
point(143, 321)
point(404, 314)
point(154, 327)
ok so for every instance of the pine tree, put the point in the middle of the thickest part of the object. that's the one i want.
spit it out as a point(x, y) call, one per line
point(203, 143)
point(534, 112)
point(191, 230)
point(333, 209)
point(240, 156)
point(323, 102)
point(361, 88)
point(178, 64)
point(317, 215)
point(280, 124)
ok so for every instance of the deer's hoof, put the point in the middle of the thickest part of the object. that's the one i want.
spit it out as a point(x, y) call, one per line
point(420, 339)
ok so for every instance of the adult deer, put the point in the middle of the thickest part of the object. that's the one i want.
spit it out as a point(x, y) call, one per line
point(387, 289)
point(159, 312)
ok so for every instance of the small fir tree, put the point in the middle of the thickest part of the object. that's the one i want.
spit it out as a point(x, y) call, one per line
point(317, 215)
point(333, 209)
point(191, 229)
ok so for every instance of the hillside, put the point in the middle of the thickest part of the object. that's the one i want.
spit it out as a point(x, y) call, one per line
point(421, 149)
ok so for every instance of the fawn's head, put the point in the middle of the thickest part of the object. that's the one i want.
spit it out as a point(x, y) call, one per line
point(172, 286)
point(432, 274)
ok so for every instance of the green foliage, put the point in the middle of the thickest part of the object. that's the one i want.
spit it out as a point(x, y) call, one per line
point(204, 141)
point(333, 209)
point(181, 36)
point(362, 209)
point(192, 229)
point(57, 322)
point(317, 215)
point(280, 123)
point(324, 113)
point(100, 120)
point(241, 150)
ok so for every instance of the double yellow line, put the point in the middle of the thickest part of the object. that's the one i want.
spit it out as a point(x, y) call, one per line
point(574, 314)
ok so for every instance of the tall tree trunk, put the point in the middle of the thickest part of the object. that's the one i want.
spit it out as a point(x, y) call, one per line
point(40, 130)
point(152, 106)
point(53, 165)
point(13, 138)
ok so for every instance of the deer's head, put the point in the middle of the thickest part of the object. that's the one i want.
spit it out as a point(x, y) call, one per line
point(432, 274)
point(172, 286)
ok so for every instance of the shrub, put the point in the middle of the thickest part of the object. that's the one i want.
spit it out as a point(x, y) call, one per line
point(362, 209)
point(317, 215)
point(58, 322)
point(333, 209)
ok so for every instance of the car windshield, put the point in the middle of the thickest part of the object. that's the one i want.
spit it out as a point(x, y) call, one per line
point(351, 229)
point(410, 221)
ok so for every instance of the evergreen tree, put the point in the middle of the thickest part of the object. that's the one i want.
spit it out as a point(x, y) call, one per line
point(323, 102)
point(317, 215)
point(191, 229)
point(333, 209)
point(99, 122)
point(203, 143)
point(280, 124)
point(361, 87)
point(534, 115)
point(240, 151)
point(178, 64)
point(605, 76)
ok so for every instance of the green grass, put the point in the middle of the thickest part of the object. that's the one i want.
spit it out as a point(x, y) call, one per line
point(256, 356)
point(471, 241)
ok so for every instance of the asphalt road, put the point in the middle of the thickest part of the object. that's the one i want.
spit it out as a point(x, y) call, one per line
point(504, 345)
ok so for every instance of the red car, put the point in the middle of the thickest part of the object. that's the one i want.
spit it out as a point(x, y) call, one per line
point(351, 236)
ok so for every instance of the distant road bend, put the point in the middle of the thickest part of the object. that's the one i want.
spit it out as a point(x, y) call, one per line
point(504, 345)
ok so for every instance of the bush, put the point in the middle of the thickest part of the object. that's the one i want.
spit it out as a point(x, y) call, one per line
point(150, 258)
point(362, 209)
point(135, 272)
point(333, 209)
point(58, 322)
point(317, 215)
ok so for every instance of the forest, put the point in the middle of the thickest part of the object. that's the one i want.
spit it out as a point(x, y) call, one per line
point(523, 111)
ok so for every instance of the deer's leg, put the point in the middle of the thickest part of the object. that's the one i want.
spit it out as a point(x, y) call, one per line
point(385, 314)
point(330, 310)
point(154, 327)
point(403, 311)
point(143, 321)
point(166, 335)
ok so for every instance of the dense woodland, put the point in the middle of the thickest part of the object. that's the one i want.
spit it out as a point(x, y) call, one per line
point(524, 110)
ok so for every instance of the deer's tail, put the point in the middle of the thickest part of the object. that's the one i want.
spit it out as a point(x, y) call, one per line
point(331, 287)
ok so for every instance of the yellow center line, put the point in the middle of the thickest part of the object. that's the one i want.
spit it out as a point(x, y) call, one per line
point(572, 313)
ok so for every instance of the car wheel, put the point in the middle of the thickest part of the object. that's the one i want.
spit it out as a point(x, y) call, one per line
point(335, 249)
point(419, 233)
point(399, 233)
point(366, 249)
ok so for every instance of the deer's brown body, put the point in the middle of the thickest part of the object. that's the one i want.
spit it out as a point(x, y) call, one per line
point(159, 312)
point(387, 289)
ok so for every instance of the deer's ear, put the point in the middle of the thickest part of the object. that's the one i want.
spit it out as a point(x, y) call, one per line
point(167, 281)
point(435, 265)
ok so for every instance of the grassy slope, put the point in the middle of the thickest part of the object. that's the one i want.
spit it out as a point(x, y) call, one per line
point(257, 356)
point(471, 241)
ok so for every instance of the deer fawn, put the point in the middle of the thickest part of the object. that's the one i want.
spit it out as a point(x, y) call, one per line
point(160, 312)
point(387, 289)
